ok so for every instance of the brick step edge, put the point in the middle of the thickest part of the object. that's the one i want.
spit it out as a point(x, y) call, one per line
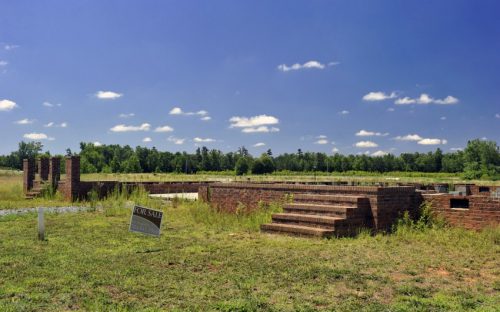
point(296, 230)
point(307, 219)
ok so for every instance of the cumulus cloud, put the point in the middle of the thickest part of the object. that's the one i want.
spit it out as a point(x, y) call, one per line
point(48, 104)
point(53, 124)
point(409, 137)
point(335, 150)
point(379, 153)
point(206, 118)
point(378, 96)
point(428, 141)
point(260, 120)
point(108, 95)
point(203, 140)
point(7, 105)
point(124, 128)
point(306, 65)
point(147, 139)
point(164, 129)
point(443, 118)
point(97, 143)
point(456, 149)
point(261, 129)
point(176, 141)
point(390, 109)
point(365, 133)
point(37, 136)
point(3, 63)
point(24, 121)
point(179, 111)
point(321, 141)
point(426, 99)
point(259, 144)
point(366, 144)
point(344, 112)
point(123, 115)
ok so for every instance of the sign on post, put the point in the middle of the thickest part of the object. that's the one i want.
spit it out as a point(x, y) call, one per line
point(145, 220)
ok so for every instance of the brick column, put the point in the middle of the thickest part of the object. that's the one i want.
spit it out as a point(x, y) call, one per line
point(28, 174)
point(43, 168)
point(72, 177)
point(54, 171)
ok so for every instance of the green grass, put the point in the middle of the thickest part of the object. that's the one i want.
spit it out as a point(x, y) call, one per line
point(206, 260)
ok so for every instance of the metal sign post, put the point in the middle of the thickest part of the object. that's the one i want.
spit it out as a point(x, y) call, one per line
point(41, 224)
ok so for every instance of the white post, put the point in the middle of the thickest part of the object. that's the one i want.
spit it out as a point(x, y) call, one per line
point(41, 224)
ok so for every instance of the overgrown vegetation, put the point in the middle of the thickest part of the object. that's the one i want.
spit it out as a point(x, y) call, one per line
point(206, 260)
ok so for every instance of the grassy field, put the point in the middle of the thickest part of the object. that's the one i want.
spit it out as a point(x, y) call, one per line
point(205, 260)
point(208, 261)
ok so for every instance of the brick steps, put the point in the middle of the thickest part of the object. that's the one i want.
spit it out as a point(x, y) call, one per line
point(320, 215)
point(296, 230)
point(306, 219)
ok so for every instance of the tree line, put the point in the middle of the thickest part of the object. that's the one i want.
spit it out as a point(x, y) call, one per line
point(480, 159)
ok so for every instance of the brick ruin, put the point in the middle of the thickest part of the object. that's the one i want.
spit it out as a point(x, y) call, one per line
point(48, 174)
point(317, 210)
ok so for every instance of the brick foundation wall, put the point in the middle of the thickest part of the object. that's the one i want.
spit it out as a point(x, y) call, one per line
point(28, 174)
point(386, 204)
point(483, 211)
point(43, 168)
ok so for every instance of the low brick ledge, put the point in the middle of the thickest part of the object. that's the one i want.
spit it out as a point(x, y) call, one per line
point(295, 187)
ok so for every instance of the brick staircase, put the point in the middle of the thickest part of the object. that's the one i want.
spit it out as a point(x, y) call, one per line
point(321, 215)
point(36, 190)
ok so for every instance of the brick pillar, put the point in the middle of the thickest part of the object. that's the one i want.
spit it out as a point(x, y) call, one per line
point(28, 174)
point(43, 168)
point(54, 171)
point(72, 177)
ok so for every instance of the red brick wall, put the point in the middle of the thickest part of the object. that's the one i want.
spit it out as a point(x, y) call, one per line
point(483, 211)
point(386, 203)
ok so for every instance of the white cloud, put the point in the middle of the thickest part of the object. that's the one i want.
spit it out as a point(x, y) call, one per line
point(255, 121)
point(405, 101)
point(344, 112)
point(206, 118)
point(378, 96)
point(179, 111)
point(497, 116)
point(259, 144)
point(443, 118)
point(164, 129)
point(366, 144)
point(3, 63)
point(108, 95)
point(379, 153)
point(146, 140)
point(322, 136)
point(370, 133)
point(25, 121)
point(97, 143)
point(48, 104)
point(428, 141)
point(335, 150)
point(123, 115)
point(202, 140)
point(124, 128)
point(261, 129)
point(37, 136)
point(7, 105)
point(175, 140)
point(409, 137)
point(9, 47)
point(390, 109)
point(306, 65)
point(53, 124)
point(456, 149)
point(427, 99)
point(321, 141)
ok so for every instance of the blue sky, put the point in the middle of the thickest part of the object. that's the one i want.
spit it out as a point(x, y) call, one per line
point(349, 76)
